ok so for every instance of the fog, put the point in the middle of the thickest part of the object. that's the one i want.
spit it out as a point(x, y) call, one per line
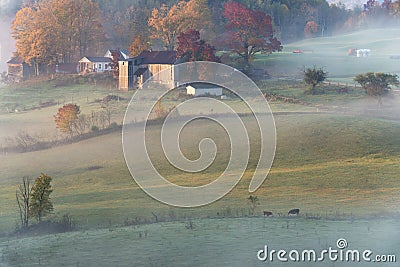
point(7, 45)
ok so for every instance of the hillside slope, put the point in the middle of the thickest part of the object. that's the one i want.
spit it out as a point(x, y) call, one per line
point(332, 54)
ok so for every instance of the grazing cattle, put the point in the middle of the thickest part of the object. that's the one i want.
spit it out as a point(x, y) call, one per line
point(343, 90)
point(267, 213)
point(294, 212)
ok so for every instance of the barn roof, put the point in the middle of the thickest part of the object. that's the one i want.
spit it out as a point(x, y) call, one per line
point(157, 57)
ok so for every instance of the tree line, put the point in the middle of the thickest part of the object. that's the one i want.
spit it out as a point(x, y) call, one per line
point(50, 32)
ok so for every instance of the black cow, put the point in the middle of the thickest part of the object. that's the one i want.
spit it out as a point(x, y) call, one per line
point(294, 212)
point(267, 213)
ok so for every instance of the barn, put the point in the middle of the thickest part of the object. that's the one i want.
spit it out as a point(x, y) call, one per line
point(133, 72)
point(203, 89)
point(18, 70)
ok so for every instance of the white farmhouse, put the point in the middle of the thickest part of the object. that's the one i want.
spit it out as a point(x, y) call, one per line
point(95, 64)
point(104, 63)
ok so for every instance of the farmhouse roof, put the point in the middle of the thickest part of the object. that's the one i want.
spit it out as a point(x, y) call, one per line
point(97, 59)
point(15, 60)
point(122, 53)
point(157, 57)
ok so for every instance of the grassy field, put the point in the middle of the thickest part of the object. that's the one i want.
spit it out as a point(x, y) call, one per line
point(331, 53)
point(326, 164)
point(20, 105)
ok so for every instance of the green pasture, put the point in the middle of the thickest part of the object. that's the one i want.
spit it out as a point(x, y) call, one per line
point(20, 106)
point(325, 164)
point(331, 53)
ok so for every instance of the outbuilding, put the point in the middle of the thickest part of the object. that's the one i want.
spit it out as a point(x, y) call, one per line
point(18, 70)
point(203, 89)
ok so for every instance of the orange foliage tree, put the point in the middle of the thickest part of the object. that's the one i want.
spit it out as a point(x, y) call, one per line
point(52, 31)
point(310, 29)
point(139, 44)
point(66, 118)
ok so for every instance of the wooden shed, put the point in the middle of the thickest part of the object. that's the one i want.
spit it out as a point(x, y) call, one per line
point(18, 70)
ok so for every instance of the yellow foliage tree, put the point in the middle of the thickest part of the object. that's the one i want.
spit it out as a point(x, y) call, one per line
point(167, 23)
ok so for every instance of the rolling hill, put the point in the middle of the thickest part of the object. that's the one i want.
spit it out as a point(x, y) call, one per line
point(331, 53)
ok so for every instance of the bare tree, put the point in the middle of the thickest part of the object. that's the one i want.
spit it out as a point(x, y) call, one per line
point(25, 141)
point(253, 202)
point(82, 124)
point(108, 115)
point(23, 196)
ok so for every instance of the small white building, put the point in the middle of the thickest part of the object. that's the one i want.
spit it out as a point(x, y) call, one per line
point(363, 52)
point(203, 89)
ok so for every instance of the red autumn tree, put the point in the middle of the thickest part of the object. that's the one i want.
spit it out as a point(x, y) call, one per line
point(66, 118)
point(192, 48)
point(250, 31)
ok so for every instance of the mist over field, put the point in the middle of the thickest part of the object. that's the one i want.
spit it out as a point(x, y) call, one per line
point(336, 159)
